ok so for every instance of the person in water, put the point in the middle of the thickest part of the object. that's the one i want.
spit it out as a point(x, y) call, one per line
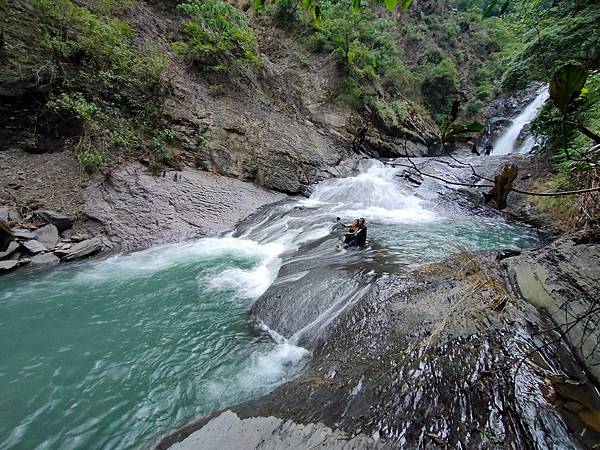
point(357, 233)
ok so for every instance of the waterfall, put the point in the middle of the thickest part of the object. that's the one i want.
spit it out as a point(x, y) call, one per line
point(506, 143)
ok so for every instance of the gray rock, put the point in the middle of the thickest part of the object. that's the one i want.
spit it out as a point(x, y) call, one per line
point(84, 248)
point(33, 247)
point(14, 215)
point(4, 214)
point(137, 209)
point(20, 233)
point(61, 221)
point(47, 236)
point(6, 266)
point(45, 260)
point(562, 279)
point(12, 247)
point(229, 431)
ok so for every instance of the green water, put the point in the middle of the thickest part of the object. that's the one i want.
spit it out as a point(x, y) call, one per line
point(108, 354)
point(413, 243)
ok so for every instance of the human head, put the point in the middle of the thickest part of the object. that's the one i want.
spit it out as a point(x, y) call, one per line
point(361, 222)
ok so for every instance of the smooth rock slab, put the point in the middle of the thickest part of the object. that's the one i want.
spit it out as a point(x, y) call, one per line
point(84, 248)
point(47, 236)
point(45, 260)
point(33, 247)
point(61, 221)
point(228, 431)
point(137, 209)
point(12, 247)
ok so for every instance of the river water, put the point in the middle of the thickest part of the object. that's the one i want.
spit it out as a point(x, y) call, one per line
point(111, 353)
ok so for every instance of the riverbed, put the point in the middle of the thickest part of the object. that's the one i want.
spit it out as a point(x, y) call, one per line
point(110, 353)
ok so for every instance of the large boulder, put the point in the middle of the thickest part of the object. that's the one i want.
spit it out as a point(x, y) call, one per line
point(47, 236)
point(12, 247)
point(61, 221)
point(84, 248)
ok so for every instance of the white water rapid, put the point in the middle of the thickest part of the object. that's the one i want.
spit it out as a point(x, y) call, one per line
point(507, 142)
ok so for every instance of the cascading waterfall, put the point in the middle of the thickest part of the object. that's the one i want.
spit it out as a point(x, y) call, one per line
point(109, 353)
point(506, 143)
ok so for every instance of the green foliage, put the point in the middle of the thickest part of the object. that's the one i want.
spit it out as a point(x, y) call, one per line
point(439, 86)
point(363, 45)
point(400, 109)
point(560, 135)
point(217, 35)
point(566, 85)
point(90, 158)
point(556, 34)
point(383, 113)
point(159, 145)
point(354, 94)
point(94, 74)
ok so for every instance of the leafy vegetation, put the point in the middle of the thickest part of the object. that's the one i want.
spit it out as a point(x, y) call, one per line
point(439, 87)
point(557, 33)
point(217, 35)
point(95, 76)
point(363, 45)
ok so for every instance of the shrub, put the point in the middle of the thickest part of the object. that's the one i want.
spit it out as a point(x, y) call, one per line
point(400, 110)
point(217, 35)
point(439, 86)
point(91, 159)
point(568, 32)
point(110, 87)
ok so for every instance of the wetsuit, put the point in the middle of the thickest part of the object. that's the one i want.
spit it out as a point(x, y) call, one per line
point(356, 239)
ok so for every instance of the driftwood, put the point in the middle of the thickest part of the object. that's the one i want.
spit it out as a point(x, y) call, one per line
point(502, 185)
point(6, 236)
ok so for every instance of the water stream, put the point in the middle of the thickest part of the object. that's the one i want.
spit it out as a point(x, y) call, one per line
point(110, 353)
point(508, 142)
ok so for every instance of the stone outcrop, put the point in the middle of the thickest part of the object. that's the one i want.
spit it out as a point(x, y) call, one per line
point(426, 359)
point(33, 247)
point(562, 280)
point(228, 431)
point(46, 259)
point(12, 247)
point(8, 265)
point(136, 209)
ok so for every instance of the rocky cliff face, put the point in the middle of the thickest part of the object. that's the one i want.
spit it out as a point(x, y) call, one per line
point(134, 209)
point(276, 126)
